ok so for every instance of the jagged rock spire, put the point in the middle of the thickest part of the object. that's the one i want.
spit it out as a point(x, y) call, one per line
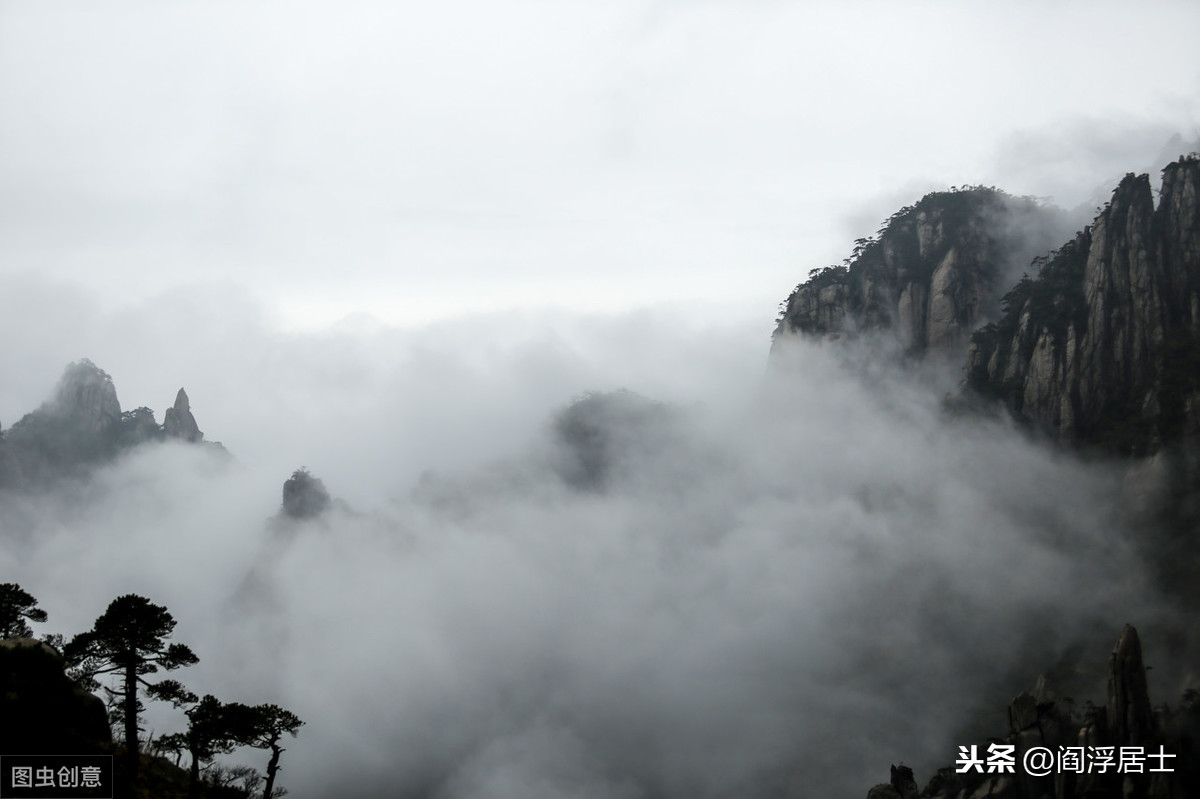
point(178, 421)
point(1130, 717)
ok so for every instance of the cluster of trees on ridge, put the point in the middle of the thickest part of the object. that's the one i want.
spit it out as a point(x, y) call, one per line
point(129, 641)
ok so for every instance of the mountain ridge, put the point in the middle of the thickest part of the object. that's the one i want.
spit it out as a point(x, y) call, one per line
point(932, 273)
point(82, 425)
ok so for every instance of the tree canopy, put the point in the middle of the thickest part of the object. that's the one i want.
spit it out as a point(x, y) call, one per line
point(214, 728)
point(17, 606)
point(129, 639)
point(269, 723)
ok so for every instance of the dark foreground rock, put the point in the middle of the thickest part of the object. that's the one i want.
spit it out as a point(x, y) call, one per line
point(42, 711)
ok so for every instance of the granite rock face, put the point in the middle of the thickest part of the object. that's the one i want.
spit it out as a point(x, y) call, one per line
point(1102, 347)
point(935, 271)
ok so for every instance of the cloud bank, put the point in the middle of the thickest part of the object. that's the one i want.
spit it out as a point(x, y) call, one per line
point(788, 580)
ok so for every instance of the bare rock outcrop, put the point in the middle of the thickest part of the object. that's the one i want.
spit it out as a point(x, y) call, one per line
point(178, 421)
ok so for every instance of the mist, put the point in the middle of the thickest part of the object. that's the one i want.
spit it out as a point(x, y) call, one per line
point(789, 578)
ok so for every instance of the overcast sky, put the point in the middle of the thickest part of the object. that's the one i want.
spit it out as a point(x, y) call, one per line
point(418, 161)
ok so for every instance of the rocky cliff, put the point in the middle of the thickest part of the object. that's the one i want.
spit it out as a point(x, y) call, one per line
point(935, 271)
point(1102, 346)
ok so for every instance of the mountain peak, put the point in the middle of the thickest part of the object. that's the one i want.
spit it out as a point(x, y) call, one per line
point(86, 394)
point(304, 496)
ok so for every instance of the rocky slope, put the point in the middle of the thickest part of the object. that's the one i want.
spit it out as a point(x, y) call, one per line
point(1102, 346)
point(935, 272)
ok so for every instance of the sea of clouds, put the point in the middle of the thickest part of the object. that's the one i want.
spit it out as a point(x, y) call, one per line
point(794, 575)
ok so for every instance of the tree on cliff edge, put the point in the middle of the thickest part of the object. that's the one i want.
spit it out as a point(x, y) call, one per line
point(128, 639)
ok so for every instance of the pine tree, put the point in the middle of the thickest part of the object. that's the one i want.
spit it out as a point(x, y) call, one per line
point(128, 639)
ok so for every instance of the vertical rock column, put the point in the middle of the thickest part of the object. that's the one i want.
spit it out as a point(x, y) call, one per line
point(178, 421)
